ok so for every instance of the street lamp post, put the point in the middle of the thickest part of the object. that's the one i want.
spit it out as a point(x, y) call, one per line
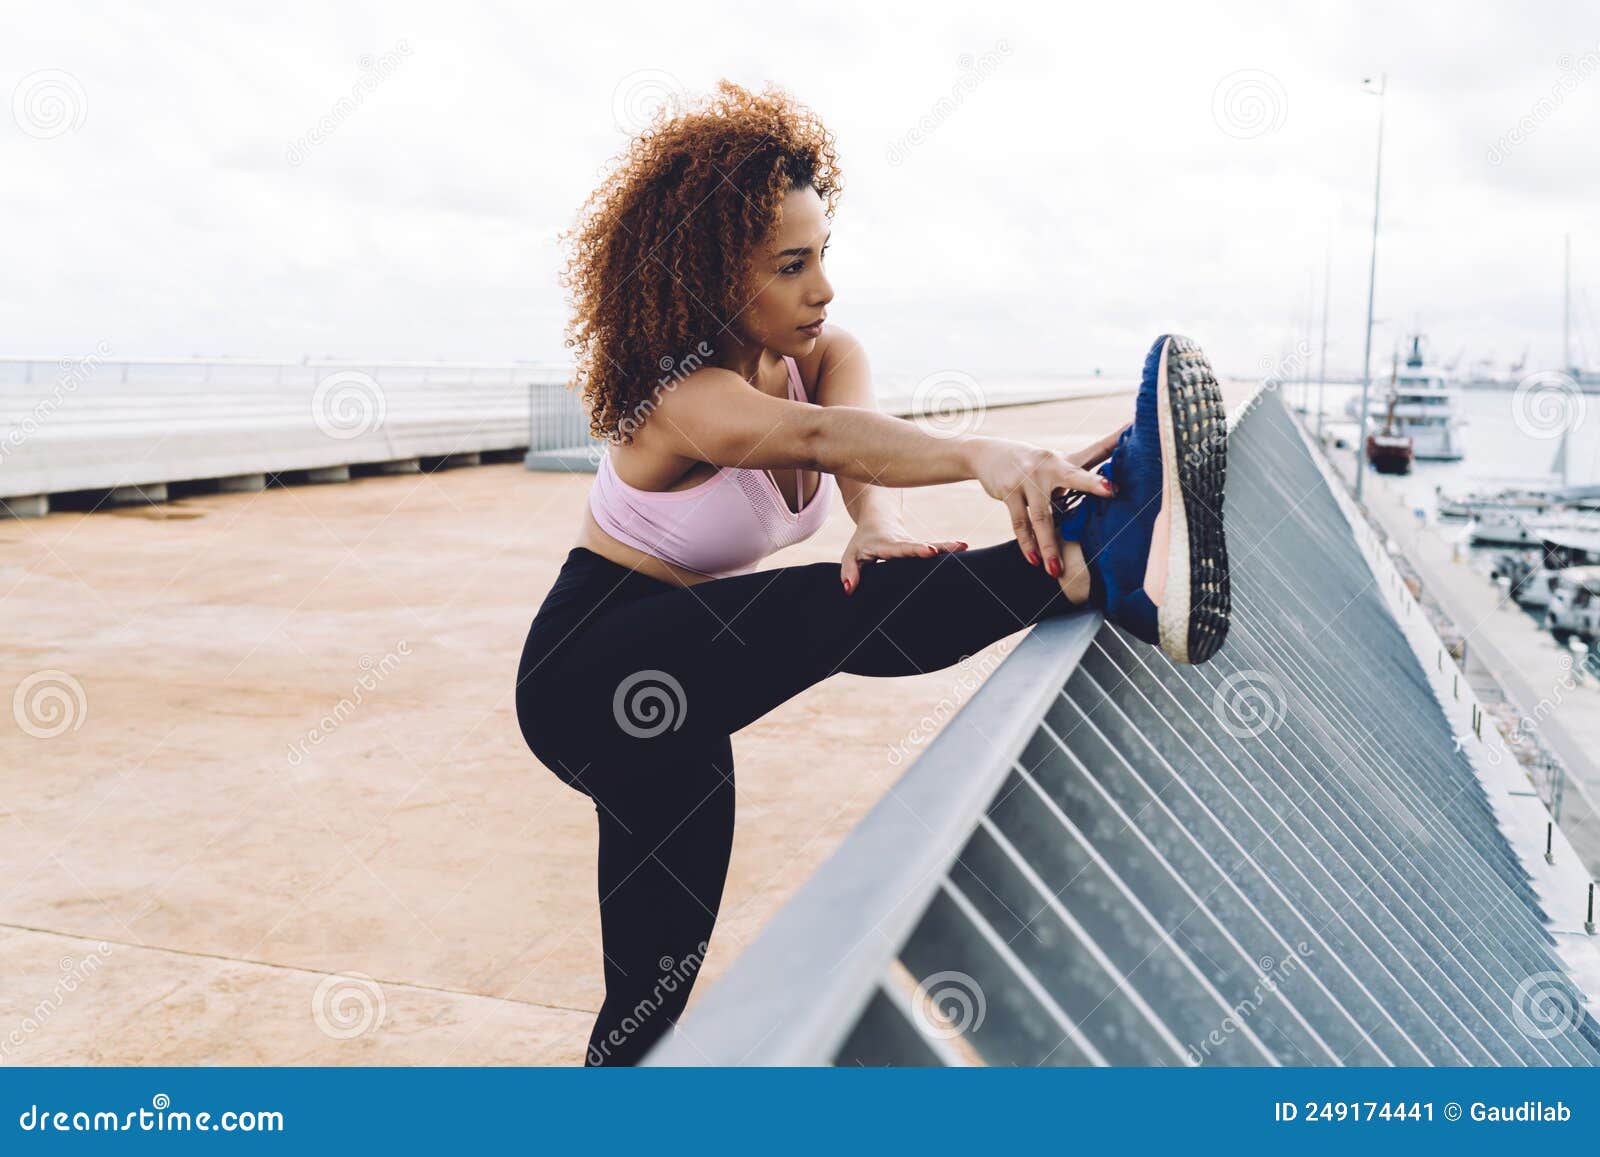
point(1372, 282)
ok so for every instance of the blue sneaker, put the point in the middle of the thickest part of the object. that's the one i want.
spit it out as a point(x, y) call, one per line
point(1175, 453)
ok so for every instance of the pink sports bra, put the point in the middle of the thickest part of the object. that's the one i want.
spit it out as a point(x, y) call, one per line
point(723, 526)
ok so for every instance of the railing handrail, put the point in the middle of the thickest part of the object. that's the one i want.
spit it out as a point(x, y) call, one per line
point(280, 363)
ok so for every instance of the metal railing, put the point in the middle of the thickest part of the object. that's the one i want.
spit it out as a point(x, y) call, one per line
point(267, 371)
point(1287, 856)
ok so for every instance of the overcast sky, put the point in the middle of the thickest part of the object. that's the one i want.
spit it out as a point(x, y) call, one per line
point(1101, 173)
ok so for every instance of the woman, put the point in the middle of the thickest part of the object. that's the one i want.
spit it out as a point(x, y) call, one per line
point(732, 413)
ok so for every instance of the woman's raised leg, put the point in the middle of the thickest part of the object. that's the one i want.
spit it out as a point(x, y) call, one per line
point(713, 658)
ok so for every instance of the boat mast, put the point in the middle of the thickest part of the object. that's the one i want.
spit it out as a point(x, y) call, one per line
point(1311, 319)
point(1394, 395)
point(1566, 312)
point(1322, 363)
point(1372, 282)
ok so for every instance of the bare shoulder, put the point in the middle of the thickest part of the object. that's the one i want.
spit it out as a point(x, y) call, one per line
point(651, 452)
point(713, 415)
point(705, 386)
point(833, 347)
point(677, 401)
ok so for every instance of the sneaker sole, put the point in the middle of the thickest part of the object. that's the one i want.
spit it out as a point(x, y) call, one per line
point(1194, 612)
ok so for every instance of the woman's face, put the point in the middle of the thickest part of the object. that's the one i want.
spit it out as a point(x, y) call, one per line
point(788, 287)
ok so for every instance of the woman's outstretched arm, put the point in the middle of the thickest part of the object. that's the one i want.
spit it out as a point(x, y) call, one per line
point(844, 378)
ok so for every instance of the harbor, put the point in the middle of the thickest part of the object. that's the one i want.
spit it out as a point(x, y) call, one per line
point(509, 521)
point(1491, 499)
point(1489, 494)
point(1509, 480)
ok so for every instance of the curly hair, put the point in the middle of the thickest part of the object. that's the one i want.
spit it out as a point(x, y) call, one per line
point(660, 256)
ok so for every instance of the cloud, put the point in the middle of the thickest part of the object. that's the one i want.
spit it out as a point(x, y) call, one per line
point(1059, 201)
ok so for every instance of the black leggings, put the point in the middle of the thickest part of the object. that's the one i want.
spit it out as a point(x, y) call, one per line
point(629, 688)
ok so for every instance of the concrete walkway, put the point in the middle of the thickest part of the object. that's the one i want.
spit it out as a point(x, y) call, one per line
point(263, 799)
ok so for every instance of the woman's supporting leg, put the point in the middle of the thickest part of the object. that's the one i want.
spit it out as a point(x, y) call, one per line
point(666, 831)
point(638, 710)
point(713, 658)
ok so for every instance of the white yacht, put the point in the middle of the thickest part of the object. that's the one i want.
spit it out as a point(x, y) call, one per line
point(1531, 500)
point(1574, 607)
point(1565, 540)
point(1427, 408)
point(1512, 517)
point(1507, 526)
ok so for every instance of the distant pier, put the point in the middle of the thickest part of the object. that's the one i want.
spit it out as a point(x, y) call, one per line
point(93, 432)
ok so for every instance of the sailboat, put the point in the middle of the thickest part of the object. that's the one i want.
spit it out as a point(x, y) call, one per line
point(1587, 380)
point(1390, 451)
point(1511, 516)
point(1428, 408)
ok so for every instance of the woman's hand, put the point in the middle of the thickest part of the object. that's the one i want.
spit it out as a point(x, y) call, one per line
point(880, 537)
point(1026, 477)
point(1096, 452)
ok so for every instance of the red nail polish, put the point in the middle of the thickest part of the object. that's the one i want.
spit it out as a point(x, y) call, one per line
point(846, 586)
point(1055, 569)
point(1033, 559)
